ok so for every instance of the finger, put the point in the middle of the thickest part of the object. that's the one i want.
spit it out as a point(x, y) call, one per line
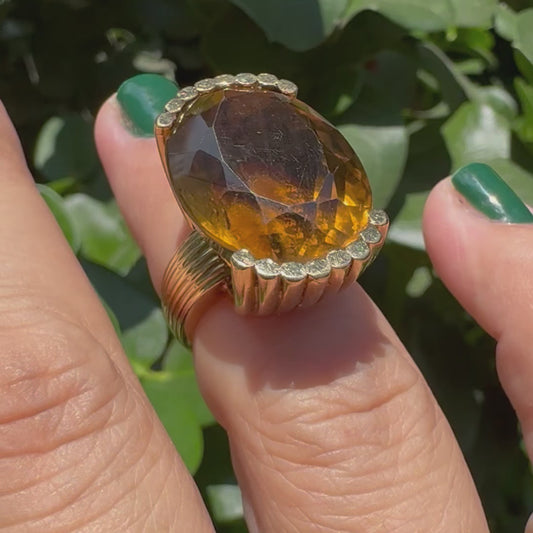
point(80, 447)
point(332, 427)
point(488, 265)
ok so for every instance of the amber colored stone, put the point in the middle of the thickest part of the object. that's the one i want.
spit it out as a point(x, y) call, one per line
point(262, 171)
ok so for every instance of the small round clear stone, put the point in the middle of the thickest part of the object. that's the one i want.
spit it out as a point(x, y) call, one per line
point(187, 93)
point(287, 87)
point(339, 259)
point(224, 80)
point(267, 269)
point(165, 120)
point(318, 268)
point(293, 271)
point(175, 105)
point(206, 85)
point(243, 259)
point(246, 79)
point(268, 80)
point(358, 249)
point(378, 217)
point(371, 235)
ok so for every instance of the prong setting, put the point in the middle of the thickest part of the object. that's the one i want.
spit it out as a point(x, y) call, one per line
point(274, 287)
point(176, 108)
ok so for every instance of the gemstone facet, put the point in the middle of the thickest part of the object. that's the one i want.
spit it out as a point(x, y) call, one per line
point(261, 171)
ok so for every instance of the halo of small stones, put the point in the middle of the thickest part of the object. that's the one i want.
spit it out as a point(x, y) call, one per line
point(176, 108)
point(361, 250)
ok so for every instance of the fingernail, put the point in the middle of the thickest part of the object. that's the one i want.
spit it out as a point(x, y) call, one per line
point(142, 98)
point(490, 195)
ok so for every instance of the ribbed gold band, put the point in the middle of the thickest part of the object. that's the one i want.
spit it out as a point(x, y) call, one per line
point(194, 274)
point(197, 272)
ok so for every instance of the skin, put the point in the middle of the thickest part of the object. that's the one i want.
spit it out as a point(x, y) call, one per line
point(329, 433)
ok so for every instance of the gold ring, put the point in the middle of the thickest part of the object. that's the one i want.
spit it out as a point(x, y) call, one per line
point(279, 204)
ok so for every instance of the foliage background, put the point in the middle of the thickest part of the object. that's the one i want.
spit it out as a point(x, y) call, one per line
point(418, 87)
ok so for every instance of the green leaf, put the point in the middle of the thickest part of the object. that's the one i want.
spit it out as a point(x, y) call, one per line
point(419, 283)
point(177, 417)
point(383, 151)
point(406, 229)
point(380, 140)
point(505, 22)
point(525, 95)
point(56, 205)
point(178, 362)
point(499, 99)
point(412, 14)
point(146, 340)
point(436, 15)
point(225, 502)
point(516, 27)
point(297, 24)
point(473, 13)
point(524, 34)
point(339, 90)
point(104, 235)
point(454, 86)
point(476, 132)
point(224, 53)
point(523, 125)
point(524, 65)
point(65, 148)
point(144, 331)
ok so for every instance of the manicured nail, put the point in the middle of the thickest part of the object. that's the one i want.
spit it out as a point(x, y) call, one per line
point(142, 98)
point(490, 195)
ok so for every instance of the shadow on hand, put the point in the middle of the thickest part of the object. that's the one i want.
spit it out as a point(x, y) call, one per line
point(303, 348)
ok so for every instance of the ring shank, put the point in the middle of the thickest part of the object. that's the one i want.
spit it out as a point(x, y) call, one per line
point(193, 276)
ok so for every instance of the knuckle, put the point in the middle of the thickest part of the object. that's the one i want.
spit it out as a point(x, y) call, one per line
point(378, 409)
point(57, 382)
point(65, 421)
point(367, 439)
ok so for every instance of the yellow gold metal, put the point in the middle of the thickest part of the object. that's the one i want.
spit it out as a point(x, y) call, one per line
point(319, 273)
point(193, 274)
point(200, 268)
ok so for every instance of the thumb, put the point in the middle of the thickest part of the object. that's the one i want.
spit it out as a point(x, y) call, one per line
point(479, 235)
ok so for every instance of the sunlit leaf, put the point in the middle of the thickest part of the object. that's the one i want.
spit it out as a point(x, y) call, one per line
point(435, 15)
point(506, 21)
point(497, 98)
point(419, 282)
point(104, 237)
point(524, 33)
point(177, 417)
point(476, 132)
point(225, 502)
point(178, 362)
point(406, 229)
point(145, 340)
point(144, 330)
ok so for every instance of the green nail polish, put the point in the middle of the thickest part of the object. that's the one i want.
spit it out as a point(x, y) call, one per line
point(490, 195)
point(142, 98)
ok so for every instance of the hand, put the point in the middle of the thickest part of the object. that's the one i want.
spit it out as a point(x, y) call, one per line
point(331, 425)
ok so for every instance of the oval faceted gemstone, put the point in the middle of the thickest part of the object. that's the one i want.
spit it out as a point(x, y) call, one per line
point(264, 172)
